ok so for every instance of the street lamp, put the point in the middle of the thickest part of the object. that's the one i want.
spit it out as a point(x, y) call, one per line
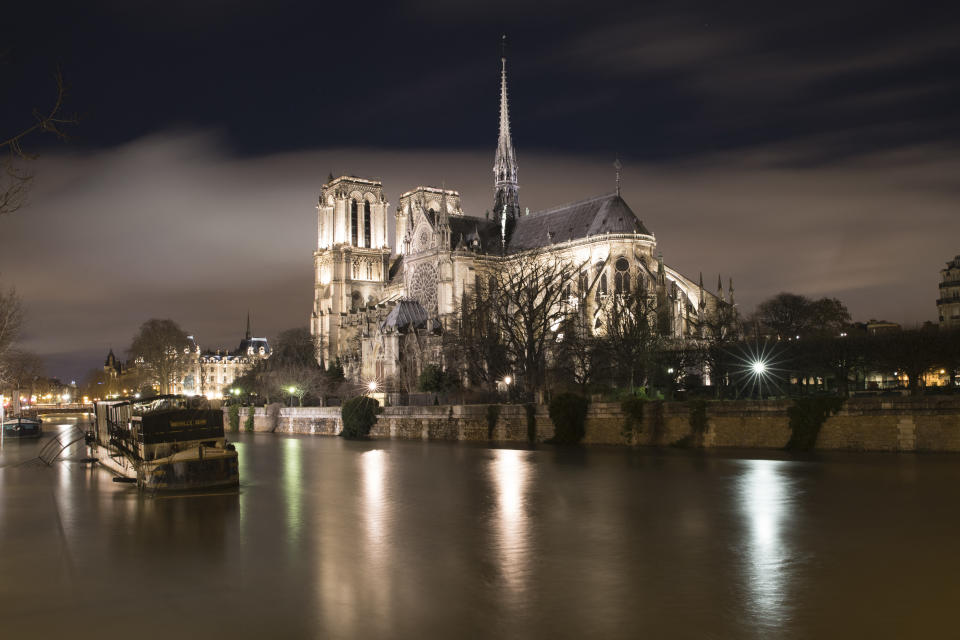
point(507, 380)
point(291, 390)
point(372, 386)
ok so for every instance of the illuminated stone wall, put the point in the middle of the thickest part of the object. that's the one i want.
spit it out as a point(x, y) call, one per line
point(863, 424)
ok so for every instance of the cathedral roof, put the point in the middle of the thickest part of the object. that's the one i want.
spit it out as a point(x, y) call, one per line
point(595, 216)
point(484, 231)
point(254, 343)
point(407, 315)
point(395, 268)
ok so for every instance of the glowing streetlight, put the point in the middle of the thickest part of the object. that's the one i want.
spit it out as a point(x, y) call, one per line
point(759, 367)
point(372, 386)
point(507, 380)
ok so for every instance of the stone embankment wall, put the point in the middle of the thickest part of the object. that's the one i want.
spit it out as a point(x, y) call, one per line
point(862, 424)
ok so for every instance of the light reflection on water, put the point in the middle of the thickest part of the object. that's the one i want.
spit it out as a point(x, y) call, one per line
point(509, 471)
point(374, 471)
point(411, 540)
point(375, 518)
point(293, 487)
point(765, 501)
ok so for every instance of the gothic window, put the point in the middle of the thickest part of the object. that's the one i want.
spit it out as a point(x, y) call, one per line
point(366, 224)
point(369, 271)
point(422, 241)
point(423, 286)
point(353, 222)
point(602, 289)
point(621, 279)
point(582, 283)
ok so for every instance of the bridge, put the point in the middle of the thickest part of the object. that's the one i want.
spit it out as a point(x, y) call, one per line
point(63, 407)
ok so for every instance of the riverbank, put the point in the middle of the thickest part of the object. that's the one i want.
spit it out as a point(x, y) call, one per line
point(861, 424)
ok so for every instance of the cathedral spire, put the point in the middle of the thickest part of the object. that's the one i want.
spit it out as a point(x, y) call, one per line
point(702, 304)
point(505, 180)
point(619, 168)
point(720, 287)
point(248, 326)
point(730, 291)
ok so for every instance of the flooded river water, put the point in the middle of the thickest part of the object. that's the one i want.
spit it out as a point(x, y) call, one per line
point(336, 539)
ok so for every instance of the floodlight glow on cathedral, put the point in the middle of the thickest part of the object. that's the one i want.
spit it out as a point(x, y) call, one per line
point(367, 295)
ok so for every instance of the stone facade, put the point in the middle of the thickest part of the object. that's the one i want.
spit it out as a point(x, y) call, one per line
point(948, 304)
point(207, 373)
point(442, 253)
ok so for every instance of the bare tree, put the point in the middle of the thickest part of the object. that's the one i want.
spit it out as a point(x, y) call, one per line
point(788, 315)
point(632, 323)
point(719, 331)
point(291, 370)
point(577, 354)
point(474, 344)
point(24, 370)
point(161, 346)
point(529, 293)
point(16, 181)
point(912, 352)
point(11, 319)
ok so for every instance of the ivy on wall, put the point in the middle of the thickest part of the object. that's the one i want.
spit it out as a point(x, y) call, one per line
point(807, 416)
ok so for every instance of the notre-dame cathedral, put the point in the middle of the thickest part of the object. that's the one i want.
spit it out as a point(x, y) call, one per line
point(368, 295)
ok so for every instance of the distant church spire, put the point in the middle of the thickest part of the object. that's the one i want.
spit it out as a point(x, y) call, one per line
point(720, 287)
point(248, 326)
point(506, 202)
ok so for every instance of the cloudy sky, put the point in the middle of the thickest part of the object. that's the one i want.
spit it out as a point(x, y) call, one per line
point(811, 148)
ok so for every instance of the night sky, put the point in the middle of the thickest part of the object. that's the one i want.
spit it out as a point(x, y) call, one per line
point(811, 148)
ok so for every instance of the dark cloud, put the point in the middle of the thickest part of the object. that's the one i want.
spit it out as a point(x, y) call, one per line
point(808, 147)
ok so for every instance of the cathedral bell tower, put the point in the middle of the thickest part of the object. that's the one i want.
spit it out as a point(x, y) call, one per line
point(506, 201)
point(351, 263)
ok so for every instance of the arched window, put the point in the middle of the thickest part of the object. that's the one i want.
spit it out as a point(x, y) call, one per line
point(366, 224)
point(602, 288)
point(353, 222)
point(621, 279)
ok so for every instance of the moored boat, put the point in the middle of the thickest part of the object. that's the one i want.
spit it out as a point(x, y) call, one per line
point(167, 443)
point(22, 427)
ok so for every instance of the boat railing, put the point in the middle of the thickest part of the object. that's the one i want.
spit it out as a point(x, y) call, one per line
point(121, 437)
point(56, 446)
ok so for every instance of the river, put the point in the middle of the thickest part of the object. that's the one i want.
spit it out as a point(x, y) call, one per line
point(392, 539)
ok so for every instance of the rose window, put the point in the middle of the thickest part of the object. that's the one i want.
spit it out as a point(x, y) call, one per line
point(423, 286)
